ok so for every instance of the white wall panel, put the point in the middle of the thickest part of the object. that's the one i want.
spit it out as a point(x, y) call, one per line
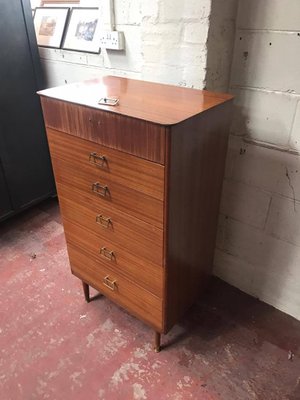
point(295, 134)
point(244, 203)
point(284, 220)
point(264, 115)
point(267, 169)
point(59, 73)
point(269, 14)
point(267, 60)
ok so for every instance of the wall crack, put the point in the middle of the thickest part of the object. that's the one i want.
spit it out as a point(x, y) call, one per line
point(291, 186)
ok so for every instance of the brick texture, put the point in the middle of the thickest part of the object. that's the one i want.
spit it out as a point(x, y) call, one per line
point(258, 247)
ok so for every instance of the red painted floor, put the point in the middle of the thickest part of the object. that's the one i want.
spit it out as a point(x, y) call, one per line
point(55, 346)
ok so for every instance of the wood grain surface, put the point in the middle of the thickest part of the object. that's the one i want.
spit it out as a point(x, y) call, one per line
point(122, 168)
point(152, 102)
point(119, 197)
point(165, 150)
point(136, 300)
point(123, 262)
point(139, 238)
point(133, 136)
point(196, 171)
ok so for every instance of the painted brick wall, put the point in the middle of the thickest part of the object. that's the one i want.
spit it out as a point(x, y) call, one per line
point(186, 43)
point(174, 41)
point(220, 43)
point(258, 247)
point(166, 41)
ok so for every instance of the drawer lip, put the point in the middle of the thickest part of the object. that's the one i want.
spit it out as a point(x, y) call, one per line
point(149, 246)
point(85, 273)
point(149, 275)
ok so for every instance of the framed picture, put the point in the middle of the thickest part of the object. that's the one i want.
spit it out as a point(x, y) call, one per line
point(83, 31)
point(49, 25)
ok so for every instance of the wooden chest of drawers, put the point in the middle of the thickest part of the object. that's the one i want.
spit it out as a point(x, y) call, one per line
point(139, 188)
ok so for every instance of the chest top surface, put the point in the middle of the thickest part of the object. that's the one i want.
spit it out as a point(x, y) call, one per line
point(153, 102)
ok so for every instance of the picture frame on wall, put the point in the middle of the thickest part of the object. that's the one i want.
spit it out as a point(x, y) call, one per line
point(83, 30)
point(49, 25)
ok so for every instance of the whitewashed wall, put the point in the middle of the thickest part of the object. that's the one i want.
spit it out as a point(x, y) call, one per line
point(174, 41)
point(258, 247)
point(220, 43)
point(166, 41)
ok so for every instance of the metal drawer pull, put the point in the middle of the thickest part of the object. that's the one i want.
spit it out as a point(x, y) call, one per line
point(97, 159)
point(101, 190)
point(107, 253)
point(112, 285)
point(103, 221)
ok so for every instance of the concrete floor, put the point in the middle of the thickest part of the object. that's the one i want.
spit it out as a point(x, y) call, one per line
point(55, 346)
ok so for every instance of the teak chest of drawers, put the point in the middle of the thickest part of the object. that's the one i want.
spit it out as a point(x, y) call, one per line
point(139, 187)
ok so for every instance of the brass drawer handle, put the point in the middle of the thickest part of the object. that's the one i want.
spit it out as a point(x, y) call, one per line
point(103, 221)
point(101, 190)
point(107, 253)
point(99, 160)
point(112, 285)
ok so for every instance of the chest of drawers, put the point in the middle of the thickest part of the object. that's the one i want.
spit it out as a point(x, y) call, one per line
point(139, 187)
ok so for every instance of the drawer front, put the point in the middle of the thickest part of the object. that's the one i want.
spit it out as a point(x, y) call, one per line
point(108, 192)
point(115, 257)
point(134, 136)
point(138, 301)
point(138, 237)
point(130, 171)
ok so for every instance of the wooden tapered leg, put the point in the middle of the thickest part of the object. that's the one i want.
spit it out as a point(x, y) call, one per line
point(86, 290)
point(157, 342)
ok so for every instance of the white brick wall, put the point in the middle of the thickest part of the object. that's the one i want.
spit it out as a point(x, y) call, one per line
point(220, 44)
point(165, 42)
point(258, 247)
point(294, 141)
point(282, 15)
point(245, 203)
point(174, 36)
point(266, 60)
point(264, 115)
point(265, 72)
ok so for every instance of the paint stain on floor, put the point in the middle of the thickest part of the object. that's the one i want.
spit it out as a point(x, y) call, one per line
point(55, 346)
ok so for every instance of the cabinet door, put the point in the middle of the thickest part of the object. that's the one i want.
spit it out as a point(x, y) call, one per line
point(5, 205)
point(23, 145)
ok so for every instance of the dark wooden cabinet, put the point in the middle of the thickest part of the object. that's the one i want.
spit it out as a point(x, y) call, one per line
point(5, 203)
point(139, 186)
point(26, 173)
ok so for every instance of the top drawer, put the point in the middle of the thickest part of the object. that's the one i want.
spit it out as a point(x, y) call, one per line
point(140, 138)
